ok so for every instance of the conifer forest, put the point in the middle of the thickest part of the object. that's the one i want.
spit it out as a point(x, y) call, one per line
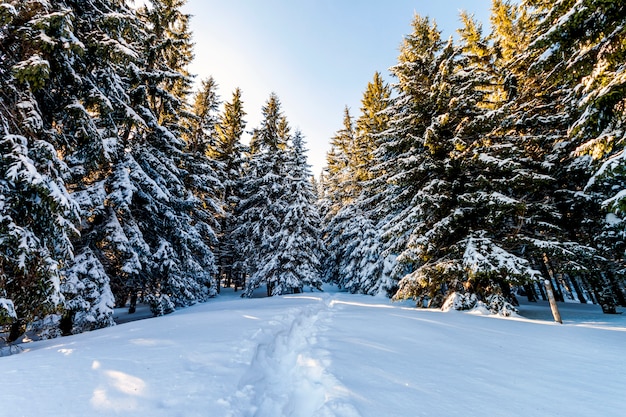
point(492, 164)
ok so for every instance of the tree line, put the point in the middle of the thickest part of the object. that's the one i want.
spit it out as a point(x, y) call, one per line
point(493, 161)
point(119, 183)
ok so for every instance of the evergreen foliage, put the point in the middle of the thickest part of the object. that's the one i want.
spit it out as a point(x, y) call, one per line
point(492, 162)
point(229, 152)
point(101, 196)
point(497, 164)
point(278, 232)
point(352, 199)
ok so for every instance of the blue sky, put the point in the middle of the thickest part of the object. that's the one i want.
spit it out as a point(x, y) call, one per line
point(316, 55)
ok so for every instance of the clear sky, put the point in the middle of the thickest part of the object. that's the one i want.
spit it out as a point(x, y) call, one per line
point(316, 55)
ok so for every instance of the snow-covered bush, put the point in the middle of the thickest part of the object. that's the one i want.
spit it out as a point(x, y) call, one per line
point(459, 301)
point(7, 311)
point(494, 304)
point(499, 305)
point(45, 328)
point(160, 305)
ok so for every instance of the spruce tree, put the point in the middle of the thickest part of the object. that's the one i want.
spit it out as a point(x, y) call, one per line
point(275, 221)
point(110, 252)
point(50, 98)
point(262, 207)
point(295, 261)
point(465, 217)
point(354, 258)
point(203, 179)
point(230, 154)
point(400, 156)
point(171, 221)
point(573, 130)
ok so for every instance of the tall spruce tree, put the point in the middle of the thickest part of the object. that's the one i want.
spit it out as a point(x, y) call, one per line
point(62, 78)
point(338, 182)
point(230, 154)
point(202, 179)
point(400, 154)
point(545, 116)
point(297, 251)
point(465, 214)
point(263, 207)
point(354, 258)
point(181, 265)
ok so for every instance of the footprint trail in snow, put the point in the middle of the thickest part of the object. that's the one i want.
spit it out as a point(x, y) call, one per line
point(288, 373)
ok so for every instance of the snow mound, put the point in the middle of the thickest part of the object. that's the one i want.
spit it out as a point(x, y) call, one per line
point(495, 304)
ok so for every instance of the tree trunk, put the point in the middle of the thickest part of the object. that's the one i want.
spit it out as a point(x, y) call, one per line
point(617, 289)
point(17, 329)
point(555, 309)
point(549, 274)
point(132, 307)
point(578, 290)
point(530, 293)
point(67, 323)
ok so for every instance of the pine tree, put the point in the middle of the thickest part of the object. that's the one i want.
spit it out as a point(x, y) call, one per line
point(110, 251)
point(371, 123)
point(371, 126)
point(202, 137)
point(466, 218)
point(151, 233)
point(45, 89)
point(229, 152)
point(354, 258)
point(295, 261)
point(203, 179)
point(263, 211)
point(558, 94)
point(400, 156)
point(338, 182)
point(181, 239)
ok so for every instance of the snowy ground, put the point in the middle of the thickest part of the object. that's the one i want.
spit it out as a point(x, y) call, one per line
point(326, 355)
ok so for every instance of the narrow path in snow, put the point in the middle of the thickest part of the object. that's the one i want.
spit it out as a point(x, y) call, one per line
point(288, 373)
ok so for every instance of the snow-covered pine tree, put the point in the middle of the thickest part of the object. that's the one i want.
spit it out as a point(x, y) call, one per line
point(96, 123)
point(40, 83)
point(230, 154)
point(467, 218)
point(264, 205)
point(400, 167)
point(337, 181)
point(372, 121)
point(295, 261)
point(442, 217)
point(571, 131)
point(202, 127)
point(354, 258)
point(203, 176)
point(181, 268)
point(371, 124)
point(334, 196)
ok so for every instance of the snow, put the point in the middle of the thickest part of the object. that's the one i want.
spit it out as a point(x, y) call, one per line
point(7, 309)
point(483, 255)
point(327, 354)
